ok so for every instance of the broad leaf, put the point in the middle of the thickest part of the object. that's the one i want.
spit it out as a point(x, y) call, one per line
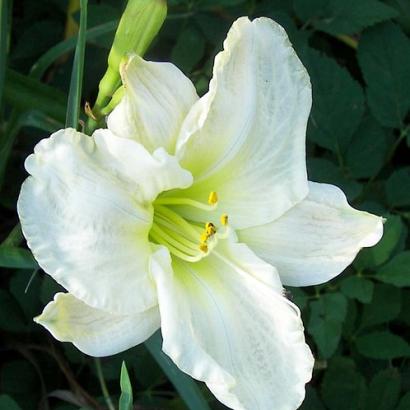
point(385, 306)
point(379, 254)
point(398, 188)
point(343, 386)
point(384, 57)
point(384, 390)
point(367, 151)
point(325, 324)
point(357, 287)
point(338, 103)
point(397, 271)
point(382, 345)
point(343, 17)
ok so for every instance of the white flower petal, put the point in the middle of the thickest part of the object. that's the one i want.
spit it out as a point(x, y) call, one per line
point(95, 332)
point(317, 239)
point(223, 326)
point(157, 98)
point(245, 138)
point(85, 213)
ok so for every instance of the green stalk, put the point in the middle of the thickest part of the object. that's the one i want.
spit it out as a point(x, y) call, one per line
point(103, 385)
point(74, 96)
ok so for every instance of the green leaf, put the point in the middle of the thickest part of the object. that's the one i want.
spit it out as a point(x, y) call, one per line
point(380, 253)
point(385, 306)
point(189, 49)
point(37, 119)
point(397, 271)
point(19, 258)
point(384, 57)
point(7, 403)
point(298, 296)
point(343, 17)
point(323, 170)
point(126, 398)
point(312, 400)
point(338, 103)
point(350, 322)
point(403, 9)
point(398, 188)
point(4, 37)
point(404, 402)
point(25, 288)
point(367, 151)
point(24, 93)
point(54, 53)
point(343, 387)
point(76, 83)
point(15, 237)
point(384, 390)
point(357, 287)
point(185, 386)
point(325, 324)
point(405, 309)
point(11, 316)
point(205, 4)
point(382, 345)
point(20, 380)
point(44, 32)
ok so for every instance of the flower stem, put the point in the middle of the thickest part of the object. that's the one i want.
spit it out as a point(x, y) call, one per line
point(103, 385)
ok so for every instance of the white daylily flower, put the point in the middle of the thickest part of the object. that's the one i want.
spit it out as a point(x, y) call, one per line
point(121, 221)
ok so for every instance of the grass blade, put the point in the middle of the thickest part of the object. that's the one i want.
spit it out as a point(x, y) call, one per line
point(4, 34)
point(54, 53)
point(186, 387)
point(24, 93)
point(17, 258)
point(74, 95)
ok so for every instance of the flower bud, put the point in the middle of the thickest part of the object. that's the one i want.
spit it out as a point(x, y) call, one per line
point(138, 26)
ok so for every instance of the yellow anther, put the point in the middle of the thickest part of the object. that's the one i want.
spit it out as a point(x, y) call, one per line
point(204, 237)
point(203, 247)
point(210, 229)
point(213, 198)
point(224, 219)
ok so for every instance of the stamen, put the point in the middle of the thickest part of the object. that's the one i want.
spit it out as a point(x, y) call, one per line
point(174, 250)
point(187, 202)
point(213, 198)
point(210, 228)
point(186, 239)
point(176, 219)
point(176, 234)
point(173, 241)
point(204, 237)
point(203, 247)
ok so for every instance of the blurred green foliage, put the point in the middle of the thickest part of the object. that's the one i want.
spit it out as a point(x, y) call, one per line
point(358, 55)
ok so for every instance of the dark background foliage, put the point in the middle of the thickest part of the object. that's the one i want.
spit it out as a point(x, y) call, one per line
point(358, 55)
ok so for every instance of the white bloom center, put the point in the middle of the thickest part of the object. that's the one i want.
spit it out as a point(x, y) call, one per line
point(186, 239)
